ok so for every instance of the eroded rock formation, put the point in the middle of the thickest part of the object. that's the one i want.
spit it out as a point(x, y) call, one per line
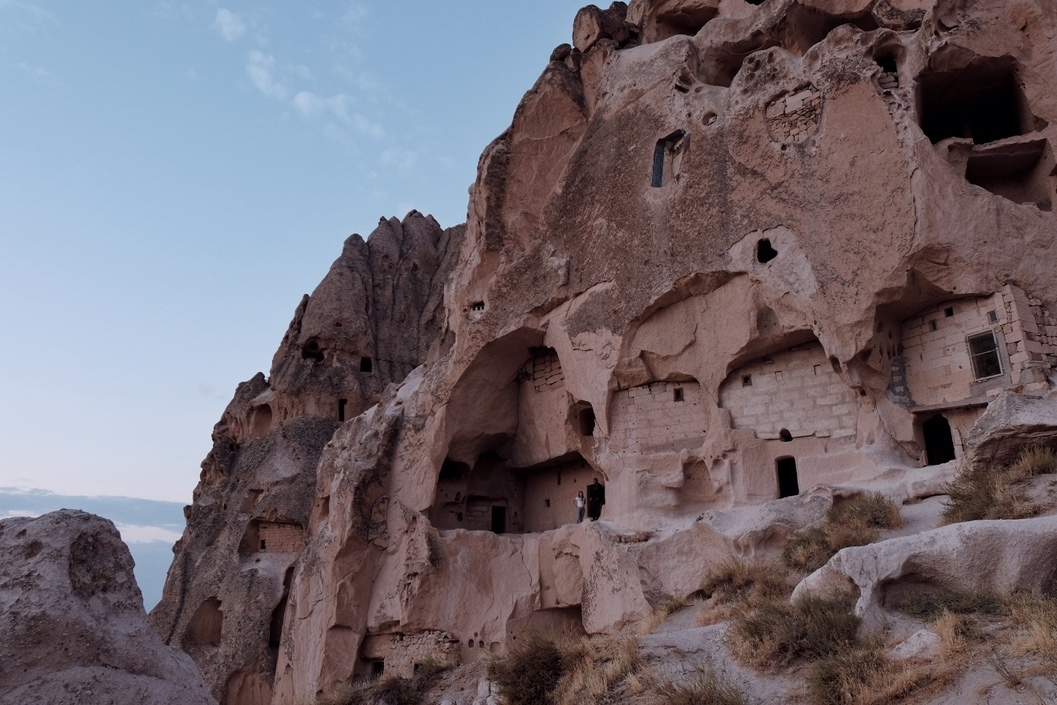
point(73, 625)
point(727, 253)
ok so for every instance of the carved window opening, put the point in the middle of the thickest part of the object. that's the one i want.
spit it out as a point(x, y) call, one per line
point(311, 350)
point(677, 394)
point(983, 350)
point(341, 409)
point(982, 102)
point(378, 667)
point(1022, 172)
point(949, 311)
point(764, 252)
point(939, 442)
point(498, 519)
point(587, 421)
point(477, 306)
point(667, 157)
point(366, 364)
point(785, 436)
point(788, 484)
point(746, 380)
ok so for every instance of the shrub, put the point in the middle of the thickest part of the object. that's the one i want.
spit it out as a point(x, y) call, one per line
point(777, 634)
point(981, 492)
point(529, 674)
point(1036, 617)
point(863, 676)
point(852, 522)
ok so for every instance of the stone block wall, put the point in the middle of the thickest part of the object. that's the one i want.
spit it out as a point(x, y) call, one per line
point(400, 652)
point(795, 117)
point(938, 366)
point(658, 416)
point(796, 390)
point(546, 371)
point(280, 537)
point(1030, 334)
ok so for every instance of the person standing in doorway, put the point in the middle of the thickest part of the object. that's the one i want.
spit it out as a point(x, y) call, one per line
point(596, 497)
point(580, 502)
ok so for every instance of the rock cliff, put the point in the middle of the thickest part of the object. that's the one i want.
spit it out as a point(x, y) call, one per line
point(73, 625)
point(728, 257)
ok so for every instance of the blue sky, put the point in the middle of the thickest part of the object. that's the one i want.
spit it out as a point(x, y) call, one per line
point(175, 175)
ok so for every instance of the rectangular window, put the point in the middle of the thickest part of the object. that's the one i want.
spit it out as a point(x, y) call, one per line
point(984, 353)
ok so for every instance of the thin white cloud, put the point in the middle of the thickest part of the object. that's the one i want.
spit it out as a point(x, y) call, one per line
point(27, 16)
point(133, 533)
point(404, 160)
point(18, 513)
point(261, 70)
point(309, 104)
point(230, 25)
point(366, 127)
point(354, 14)
point(39, 74)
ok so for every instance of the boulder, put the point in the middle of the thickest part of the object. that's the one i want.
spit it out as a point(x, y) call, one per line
point(72, 625)
point(973, 557)
point(1012, 423)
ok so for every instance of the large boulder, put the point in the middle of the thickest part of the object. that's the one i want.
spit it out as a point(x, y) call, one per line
point(974, 557)
point(72, 625)
point(1011, 423)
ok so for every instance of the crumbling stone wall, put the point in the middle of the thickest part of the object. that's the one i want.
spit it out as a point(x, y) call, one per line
point(794, 117)
point(658, 416)
point(796, 390)
point(401, 652)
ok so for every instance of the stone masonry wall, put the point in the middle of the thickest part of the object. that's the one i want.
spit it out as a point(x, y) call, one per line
point(938, 366)
point(793, 118)
point(550, 494)
point(658, 416)
point(280, 538)
point(796, 390)
point(400, 652)
point(1030, 333)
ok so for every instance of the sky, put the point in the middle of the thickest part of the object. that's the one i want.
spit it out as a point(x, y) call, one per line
point(174, 176)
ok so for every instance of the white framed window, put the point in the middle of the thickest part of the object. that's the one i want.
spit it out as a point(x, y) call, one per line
point(983, 351)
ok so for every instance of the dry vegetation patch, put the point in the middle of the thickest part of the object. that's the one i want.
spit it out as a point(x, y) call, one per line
point(390, 690)
point(853, 522)
point(981, 492)
point(707, 688)
point(776, 634)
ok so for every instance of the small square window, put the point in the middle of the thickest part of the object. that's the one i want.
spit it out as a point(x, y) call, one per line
point(932, 325)
point(992, 316)
point(949, 311)
point(677, 394)
point(983, 350)
point(746, 380)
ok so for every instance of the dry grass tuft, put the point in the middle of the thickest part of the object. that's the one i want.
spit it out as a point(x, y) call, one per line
point(776, 634)
point(984, 493)
point(708, 688)
point(662, 611)
point(933, 604)
point(1035, 617)
point(852, 522)
point(530, 672)
point(600, 668)
point(863, 676)
point(390, 690)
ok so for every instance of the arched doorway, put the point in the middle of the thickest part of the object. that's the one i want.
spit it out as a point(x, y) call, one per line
point(788, 485)
point(939, 443)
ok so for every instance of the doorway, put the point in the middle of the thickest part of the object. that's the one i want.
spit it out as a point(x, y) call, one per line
point(788, 485)
point(939, 442)
point(498, 519)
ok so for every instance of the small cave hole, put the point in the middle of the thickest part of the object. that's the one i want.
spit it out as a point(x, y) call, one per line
point(784, 436)
point(949, 311)
point(366, 364)
point(312, 351)
point(982, 102)
point(377, 668)
point(677, 394)
point(764, 252)
point(587, 421)
point(477, 306)
point(834, 363)
point(746, 380)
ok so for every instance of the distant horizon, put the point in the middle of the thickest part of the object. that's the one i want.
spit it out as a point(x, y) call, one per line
point(175, 176)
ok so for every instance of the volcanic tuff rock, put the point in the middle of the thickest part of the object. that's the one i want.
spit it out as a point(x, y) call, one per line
point(730, 258)
point(72, 621)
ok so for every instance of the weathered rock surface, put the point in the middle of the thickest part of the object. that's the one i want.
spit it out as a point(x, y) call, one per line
point(979, 557)
point(726, 254)
point(72, 625)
